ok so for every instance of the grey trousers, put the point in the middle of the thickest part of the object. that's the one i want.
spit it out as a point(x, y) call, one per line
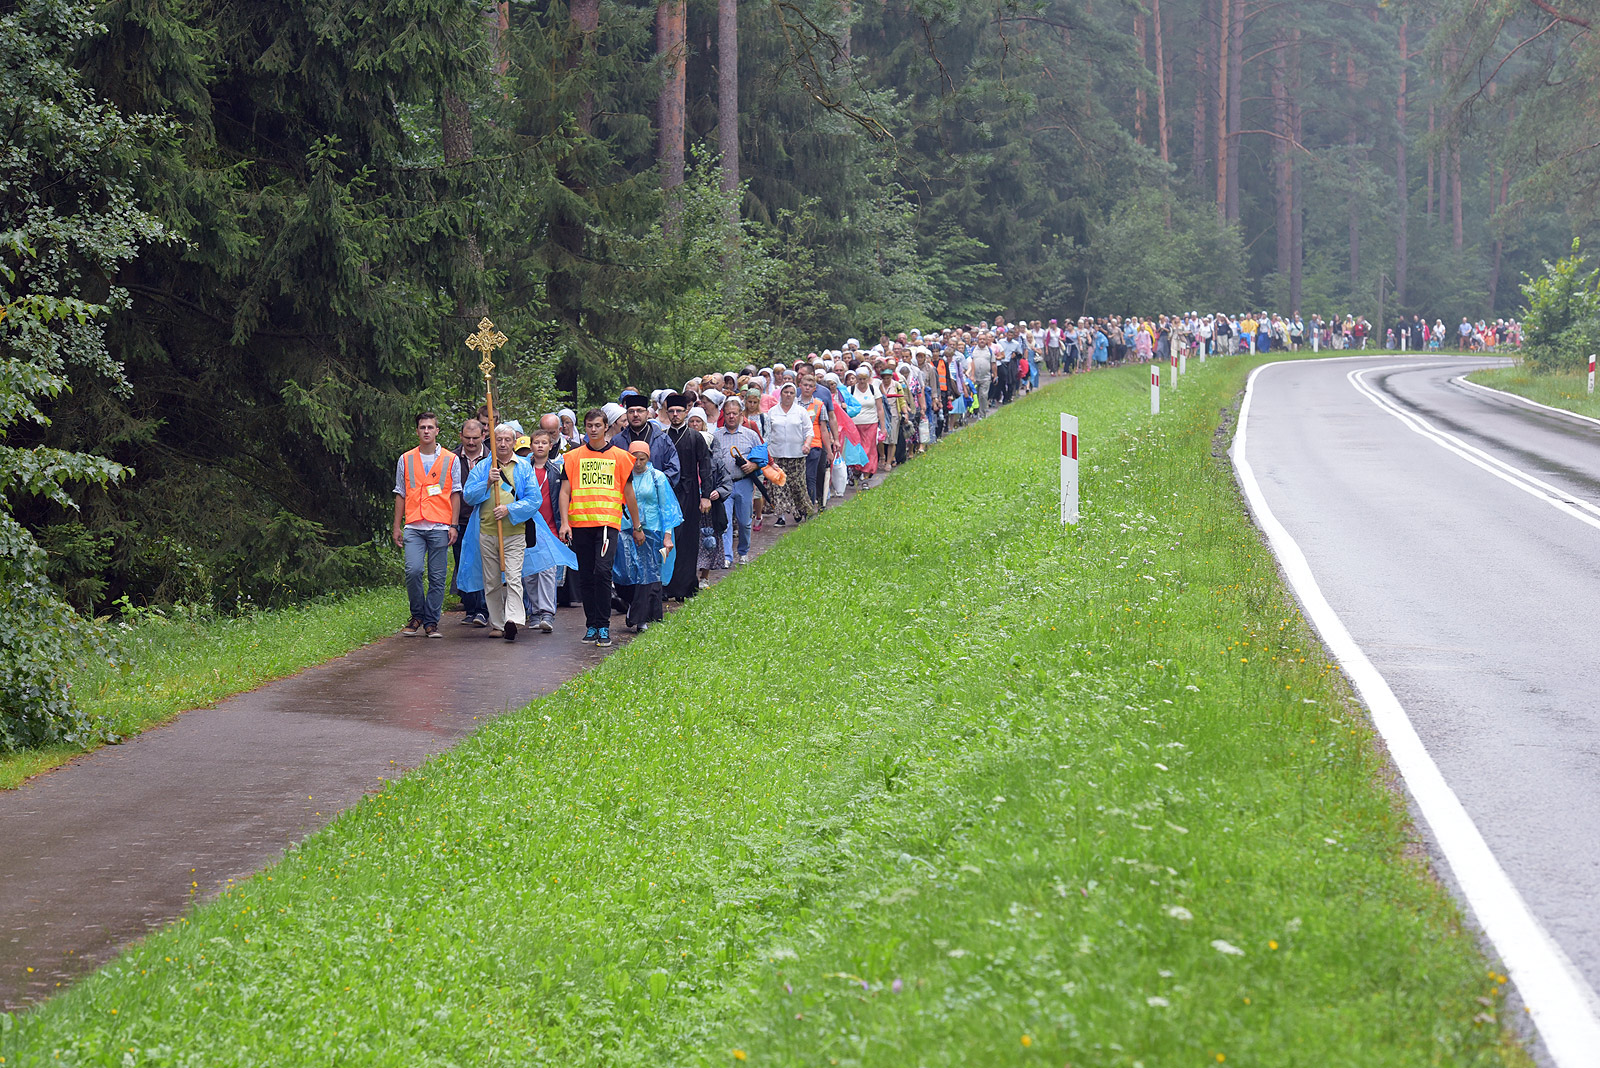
point(505, 601)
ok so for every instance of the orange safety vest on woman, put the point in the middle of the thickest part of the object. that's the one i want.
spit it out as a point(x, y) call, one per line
point(597, 479)
point(428, 492)
point(944, 380)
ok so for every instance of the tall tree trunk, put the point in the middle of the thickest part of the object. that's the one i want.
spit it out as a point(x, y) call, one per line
point(1428, 214)
point(673, 49)
point(1200, 157)
point(1355, 174)
point(728, 91)
point(1163, 76)
point(1402, 185)
point(1499, 243)
point(501, 36)
point(1297, 242)
point(1224, 39)
point(1235, 107)
point(585, 16)
point(455, 125)
point(1283, 160)
point(844, 33)
point(1140, 37)
point(1458, 233)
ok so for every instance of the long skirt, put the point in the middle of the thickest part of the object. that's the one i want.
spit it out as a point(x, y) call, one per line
point(792, 495)
point(640, 567)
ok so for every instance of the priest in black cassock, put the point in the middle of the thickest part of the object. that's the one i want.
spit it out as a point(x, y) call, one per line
point(695, 482)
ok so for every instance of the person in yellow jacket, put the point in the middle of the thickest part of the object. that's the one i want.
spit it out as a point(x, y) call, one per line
point(597, 486)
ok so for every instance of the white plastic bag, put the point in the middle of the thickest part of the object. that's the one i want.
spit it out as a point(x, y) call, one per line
point(841, 476)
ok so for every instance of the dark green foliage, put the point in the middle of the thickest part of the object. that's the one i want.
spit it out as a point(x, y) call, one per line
point(66, 158)
point(1561, 323)
point(274, 349)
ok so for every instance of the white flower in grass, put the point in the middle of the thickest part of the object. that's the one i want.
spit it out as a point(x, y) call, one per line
point(1157, 1002)
point(1226, 948)
point(1178, 912)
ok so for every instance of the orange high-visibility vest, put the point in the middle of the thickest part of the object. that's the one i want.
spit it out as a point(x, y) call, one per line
point(597, 479)
point(814, 406)
point(944, 381)
point(428, 492)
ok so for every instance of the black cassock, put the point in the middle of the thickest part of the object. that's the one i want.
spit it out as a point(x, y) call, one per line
point(694, 482)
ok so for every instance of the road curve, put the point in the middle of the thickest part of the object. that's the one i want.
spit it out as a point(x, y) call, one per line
point(1455, 532)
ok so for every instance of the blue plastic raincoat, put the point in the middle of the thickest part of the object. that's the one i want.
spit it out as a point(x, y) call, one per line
point(544, 551)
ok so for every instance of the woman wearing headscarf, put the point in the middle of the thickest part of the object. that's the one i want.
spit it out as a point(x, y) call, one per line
point(789, 431)
point(639, 565)
point(710, 555)
point(731, 445)
point(867, 418)
point(894, 406)
point(571, 437)
point(916, 404)
point(755, 420)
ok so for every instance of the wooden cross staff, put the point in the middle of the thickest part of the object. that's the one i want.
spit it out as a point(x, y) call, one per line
point(486, 340)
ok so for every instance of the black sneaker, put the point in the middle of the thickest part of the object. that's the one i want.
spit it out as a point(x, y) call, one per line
point(510, 632)
point(590, 634)
point(603, 638)
point(432, 631)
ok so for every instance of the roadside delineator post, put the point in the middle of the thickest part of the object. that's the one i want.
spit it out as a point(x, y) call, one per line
point(1591, 374)
point(1155, 389)
point(1175, 370)
point(1183, 361)
point(1069, 468)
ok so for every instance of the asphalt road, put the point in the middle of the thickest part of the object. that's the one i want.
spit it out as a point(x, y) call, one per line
point(1478, 602)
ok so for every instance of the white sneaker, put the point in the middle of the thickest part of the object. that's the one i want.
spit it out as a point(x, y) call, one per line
point(545, 627)
point(745, 559)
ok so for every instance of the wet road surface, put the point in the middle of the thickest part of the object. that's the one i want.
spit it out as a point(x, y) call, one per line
point(121, 841)
point(1478, 601)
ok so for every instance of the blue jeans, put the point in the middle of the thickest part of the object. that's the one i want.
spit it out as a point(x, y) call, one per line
point(427, 556)
point(739, 499)
point(816, 476)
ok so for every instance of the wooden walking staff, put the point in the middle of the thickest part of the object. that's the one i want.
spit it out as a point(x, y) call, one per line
point(486, 340)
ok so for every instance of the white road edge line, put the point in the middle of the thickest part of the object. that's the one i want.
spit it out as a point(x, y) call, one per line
point(1562, 1005)
point(1554, 496)
point(1463, 380)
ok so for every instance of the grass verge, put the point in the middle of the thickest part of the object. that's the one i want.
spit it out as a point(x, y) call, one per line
point(168, 665)
point(1569, 391)
point(935, 781)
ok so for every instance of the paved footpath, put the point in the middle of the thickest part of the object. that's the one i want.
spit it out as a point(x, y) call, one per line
point(121, 841)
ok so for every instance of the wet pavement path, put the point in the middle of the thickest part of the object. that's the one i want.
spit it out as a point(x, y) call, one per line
point(121, 841)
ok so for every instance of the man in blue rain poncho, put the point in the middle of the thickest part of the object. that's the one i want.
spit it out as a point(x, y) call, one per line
point(516, 524)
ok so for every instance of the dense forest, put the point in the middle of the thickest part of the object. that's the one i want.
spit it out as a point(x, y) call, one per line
point(242, 240)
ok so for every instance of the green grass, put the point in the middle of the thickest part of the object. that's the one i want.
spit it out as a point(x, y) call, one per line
point(1569, 391)
point(167, 665)
point(934, 781)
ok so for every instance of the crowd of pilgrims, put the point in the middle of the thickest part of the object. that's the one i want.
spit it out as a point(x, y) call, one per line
point(699, 468)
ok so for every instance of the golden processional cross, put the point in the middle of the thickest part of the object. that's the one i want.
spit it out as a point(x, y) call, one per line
point(486, 340)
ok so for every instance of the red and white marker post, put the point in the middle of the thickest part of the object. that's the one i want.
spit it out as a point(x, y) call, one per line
point(1183, 360)
point(1155, 389)
point(1175, 359)
point(1591, 374)
point(1069, 468)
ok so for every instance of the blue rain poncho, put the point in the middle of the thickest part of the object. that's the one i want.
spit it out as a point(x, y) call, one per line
point(544, 550)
